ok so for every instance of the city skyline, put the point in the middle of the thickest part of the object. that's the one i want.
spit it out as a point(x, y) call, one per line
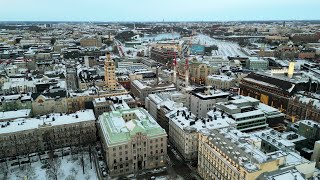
point(98, 10)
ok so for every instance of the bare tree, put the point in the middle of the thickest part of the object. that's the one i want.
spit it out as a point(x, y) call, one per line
point(26, 172)
point(53, 168)
point(4, 172)
point(70, 177)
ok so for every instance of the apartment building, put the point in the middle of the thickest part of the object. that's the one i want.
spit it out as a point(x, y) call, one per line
point(221, 81)
point(28, 135)
point(185, 126)
point(230, 154)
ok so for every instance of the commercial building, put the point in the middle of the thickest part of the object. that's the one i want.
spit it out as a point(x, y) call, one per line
point(272, 90)
point(132, 141)
point(249, 113)
point(28, 135)
point(203, 99)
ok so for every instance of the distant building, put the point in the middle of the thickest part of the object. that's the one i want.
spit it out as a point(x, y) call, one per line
point(163, 55)
point(90, 42)
point(18, 87)
point(154, 101)
point(254, 63)
point(15, 102)
point(221, 81)
point(141, 89)
point(47, 103)
point(199, 72)
point(272, 90)
point(132, 141)
point(72, 79)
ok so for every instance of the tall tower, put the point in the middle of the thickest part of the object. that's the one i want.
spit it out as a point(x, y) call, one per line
point(109, 73)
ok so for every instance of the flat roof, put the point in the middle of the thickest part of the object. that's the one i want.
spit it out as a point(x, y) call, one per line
point(55, 119)
point(14, 114)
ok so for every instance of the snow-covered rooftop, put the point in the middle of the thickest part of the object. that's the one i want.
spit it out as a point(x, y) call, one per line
point(55, 119)
point(9, 115)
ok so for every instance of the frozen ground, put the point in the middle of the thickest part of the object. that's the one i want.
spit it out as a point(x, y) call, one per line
point(70, 168)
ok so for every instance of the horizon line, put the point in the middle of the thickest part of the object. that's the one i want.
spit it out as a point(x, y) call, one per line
point(124, 21)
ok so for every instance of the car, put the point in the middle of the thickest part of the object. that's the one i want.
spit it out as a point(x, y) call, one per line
point(15, 163)
point(104, 173)
point(152, 178)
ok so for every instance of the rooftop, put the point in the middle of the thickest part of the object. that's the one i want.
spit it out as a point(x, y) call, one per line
point(120, 126)
point(185, 120)
point(8, 115)
point(55, 119)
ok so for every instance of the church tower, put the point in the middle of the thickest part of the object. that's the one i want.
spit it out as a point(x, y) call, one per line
point(109, 73)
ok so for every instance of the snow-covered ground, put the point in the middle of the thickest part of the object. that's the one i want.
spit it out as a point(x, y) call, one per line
point(70, 168)
point(225, 48)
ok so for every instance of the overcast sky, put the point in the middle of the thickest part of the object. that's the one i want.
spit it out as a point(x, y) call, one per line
point(158, 10)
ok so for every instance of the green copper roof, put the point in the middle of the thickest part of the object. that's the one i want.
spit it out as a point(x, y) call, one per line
point(119, 126)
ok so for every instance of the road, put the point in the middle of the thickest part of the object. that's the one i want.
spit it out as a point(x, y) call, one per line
point(180, 166)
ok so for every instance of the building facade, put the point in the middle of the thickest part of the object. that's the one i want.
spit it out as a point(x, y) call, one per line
point(29, 135)
point(132, 141)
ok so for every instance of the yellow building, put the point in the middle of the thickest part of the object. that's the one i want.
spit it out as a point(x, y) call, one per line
point(226, 154)
point(198, 71)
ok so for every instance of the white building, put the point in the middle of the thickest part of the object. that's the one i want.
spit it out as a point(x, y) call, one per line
point(154, 101)
point(184, 127)
point(202, 100)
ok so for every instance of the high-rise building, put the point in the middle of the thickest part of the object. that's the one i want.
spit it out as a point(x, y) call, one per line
point(109, 73)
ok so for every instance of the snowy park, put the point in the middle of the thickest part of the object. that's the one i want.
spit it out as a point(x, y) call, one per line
point(70, 167)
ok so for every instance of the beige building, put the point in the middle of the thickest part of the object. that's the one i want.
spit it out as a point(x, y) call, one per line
point(198, 72)
point(229, 154)
point(221, 81)
point(90, 42)
point(29, 135)
point(45, 105)
point(132, 141)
